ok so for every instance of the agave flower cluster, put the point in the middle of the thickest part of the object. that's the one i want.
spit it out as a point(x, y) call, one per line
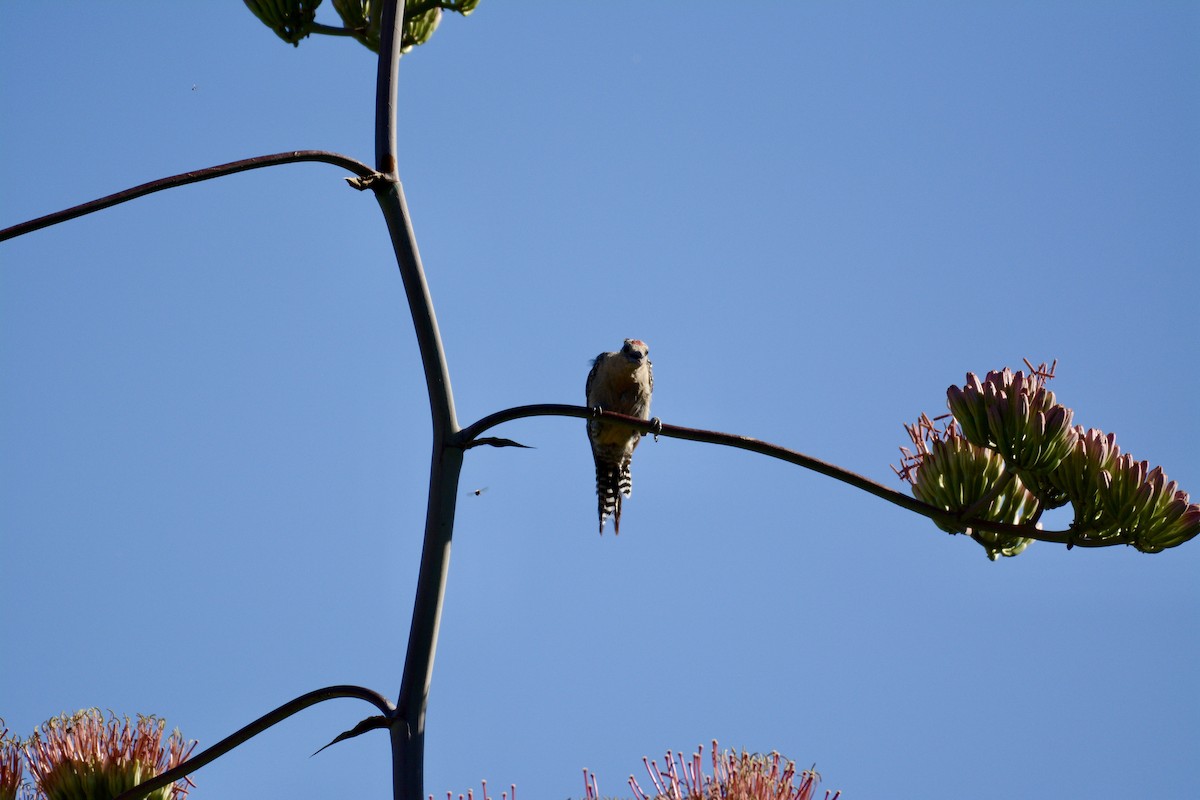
point(84, 757)
point(1015, 415)
point(1009, 451)
point(949, 472)
point(743, 776)
point(293, 20)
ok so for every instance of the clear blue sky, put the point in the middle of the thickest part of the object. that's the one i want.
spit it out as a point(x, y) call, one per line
point(214, 435)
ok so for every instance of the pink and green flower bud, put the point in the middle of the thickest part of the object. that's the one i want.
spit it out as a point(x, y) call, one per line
point(1081, 476)
point(1015, 415)
point(1141, 507)
point(83, 757)
point(1177, 521)
point(971, 481)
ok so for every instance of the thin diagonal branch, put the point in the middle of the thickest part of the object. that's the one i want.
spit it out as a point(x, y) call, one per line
point(357, 167)
point(253, 729)
point(467, 436)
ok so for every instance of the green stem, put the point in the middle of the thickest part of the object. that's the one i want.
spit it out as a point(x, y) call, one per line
point(408, 728)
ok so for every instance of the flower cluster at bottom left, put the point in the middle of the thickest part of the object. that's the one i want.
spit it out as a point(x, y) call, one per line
point(84, 756)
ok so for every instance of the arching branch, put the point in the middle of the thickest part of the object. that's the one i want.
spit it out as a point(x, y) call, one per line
point(253, 729)
point(467, 438)
point(357, 167)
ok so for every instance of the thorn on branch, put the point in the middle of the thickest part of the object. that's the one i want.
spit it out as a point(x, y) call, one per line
point(495, 441)
point(371, 723)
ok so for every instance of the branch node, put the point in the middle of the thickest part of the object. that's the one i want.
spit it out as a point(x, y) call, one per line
point(363, 182)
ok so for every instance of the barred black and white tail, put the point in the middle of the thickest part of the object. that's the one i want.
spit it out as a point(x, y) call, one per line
point(612, 481)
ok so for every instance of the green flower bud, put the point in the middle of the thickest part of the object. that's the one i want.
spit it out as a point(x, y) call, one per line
point(419, 28)
point(953, 474)
point(291, 20)
point(362, 18)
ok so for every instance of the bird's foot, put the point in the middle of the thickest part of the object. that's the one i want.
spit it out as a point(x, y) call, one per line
point(596, 411)
point(655, 427)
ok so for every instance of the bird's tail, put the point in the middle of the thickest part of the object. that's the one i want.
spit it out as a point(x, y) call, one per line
point(612, 481)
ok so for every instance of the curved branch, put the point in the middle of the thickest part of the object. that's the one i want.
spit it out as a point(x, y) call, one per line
point(468, 434)
point(253, 729)
point(357, 167)
point(467, 437)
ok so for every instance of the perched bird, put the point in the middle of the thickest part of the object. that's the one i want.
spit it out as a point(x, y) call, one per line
point(620, 382)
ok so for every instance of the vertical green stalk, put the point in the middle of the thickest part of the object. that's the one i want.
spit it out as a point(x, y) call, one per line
point(408, 727)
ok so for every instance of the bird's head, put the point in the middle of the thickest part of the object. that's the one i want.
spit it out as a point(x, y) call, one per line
point(635, 350)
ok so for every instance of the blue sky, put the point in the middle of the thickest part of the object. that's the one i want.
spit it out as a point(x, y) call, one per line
point(214, 435)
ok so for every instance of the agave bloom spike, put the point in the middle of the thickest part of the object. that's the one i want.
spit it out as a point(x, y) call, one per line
point(1011, 451)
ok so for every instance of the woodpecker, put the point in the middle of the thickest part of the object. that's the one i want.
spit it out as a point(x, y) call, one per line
point(621, 381)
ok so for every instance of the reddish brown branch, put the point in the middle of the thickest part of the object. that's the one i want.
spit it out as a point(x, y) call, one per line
point(357, 167)
point(468, 435)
